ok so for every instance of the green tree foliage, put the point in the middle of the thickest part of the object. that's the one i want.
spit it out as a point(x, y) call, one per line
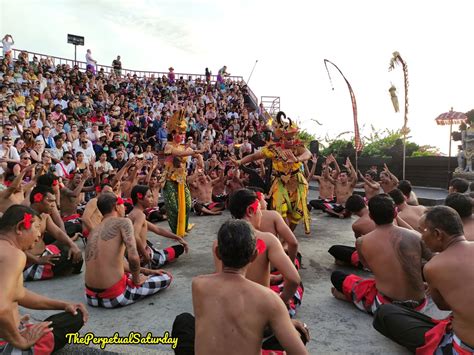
point(470, 116)
point(378, 143)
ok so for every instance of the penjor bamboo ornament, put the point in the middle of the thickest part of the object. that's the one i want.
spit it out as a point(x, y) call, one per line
point(397, 59)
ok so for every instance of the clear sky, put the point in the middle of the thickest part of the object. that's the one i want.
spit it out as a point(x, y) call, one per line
point(290, 40)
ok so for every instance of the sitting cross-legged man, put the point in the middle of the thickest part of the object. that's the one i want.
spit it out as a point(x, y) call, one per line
point(244, 321)
point(394, 254)
point(20, 230)
point(450, 278)
point(347, 255)
point(111, 281)
point(55, 253)
point(142, 198)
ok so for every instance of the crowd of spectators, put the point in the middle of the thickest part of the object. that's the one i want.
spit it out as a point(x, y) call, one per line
point(66, 119)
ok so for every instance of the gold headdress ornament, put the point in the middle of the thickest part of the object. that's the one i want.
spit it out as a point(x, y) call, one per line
point(177, 122)
point(284, 129)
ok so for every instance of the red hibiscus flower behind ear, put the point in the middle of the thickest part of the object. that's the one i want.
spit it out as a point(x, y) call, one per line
point(27, 220)
point(38, 197)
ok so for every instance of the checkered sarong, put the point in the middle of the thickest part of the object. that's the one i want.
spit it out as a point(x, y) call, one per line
point(37, 272)
point(125, 292)
point(159, 257)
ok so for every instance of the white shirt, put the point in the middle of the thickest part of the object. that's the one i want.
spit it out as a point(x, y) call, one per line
point(89, 59)
point(7, 46)
point(76, 144)
point(106, 166)
point(89, 153)
point(62, 167)
point(13, 154)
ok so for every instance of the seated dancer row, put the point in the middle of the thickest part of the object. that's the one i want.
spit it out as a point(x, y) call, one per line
point(111, 279)
point(394, 255)
point(21, 229)
point(450, 278)
point(254, 313)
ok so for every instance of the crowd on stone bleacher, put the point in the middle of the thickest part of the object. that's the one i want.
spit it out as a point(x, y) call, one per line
point(49, 109)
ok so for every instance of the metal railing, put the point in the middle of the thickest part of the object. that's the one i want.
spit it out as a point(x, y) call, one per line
point(271, 104)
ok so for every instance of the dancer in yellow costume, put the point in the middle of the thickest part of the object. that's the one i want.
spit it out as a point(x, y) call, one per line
point(289, 188)
point(175, 191)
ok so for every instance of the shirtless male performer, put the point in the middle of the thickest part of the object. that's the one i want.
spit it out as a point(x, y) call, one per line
point(70, 199)
point(239, 325)
point(346, 255)
point(245, 204)
point(46, 260)
point(462, 204)
point(272, 222)
point(20, 229)
point(91, 217)
point(326, 187)
point(371, 187)
point(388, 181)
point(450, 277)
point(14, 194)
point(343, 188)
point(142, 198)
point(410, 214)
point(110, 282)
point(394, 254)
point(201, 187)
point(405, 187)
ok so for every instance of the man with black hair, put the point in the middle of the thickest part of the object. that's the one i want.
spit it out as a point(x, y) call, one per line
point(462, 204)
point(346, 255)
point(92, 217)
point(405, 187)
point(20, 229)
point(245, 204)
point(111, 281)
point(142, 198)
point(450, 277)
point(371, 187)
point(394, 255)
point(54, 253)
point(458, 185)
point(236, 327)
point(410, 214)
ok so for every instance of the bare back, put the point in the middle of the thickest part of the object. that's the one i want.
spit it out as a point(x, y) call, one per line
point(239, 315)
point(412, 215)
point(105, 252)
point(394, 255)
point(468, 224)
point(451, 274)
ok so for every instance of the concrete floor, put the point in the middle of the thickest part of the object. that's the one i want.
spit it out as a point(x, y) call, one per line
point(335, 326)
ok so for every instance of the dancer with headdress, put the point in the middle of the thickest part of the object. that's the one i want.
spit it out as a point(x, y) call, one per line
point(289, 187)
point(176, 192)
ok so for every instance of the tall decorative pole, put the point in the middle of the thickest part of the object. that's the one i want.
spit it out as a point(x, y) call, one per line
point(357, 141)
point(397, 59)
